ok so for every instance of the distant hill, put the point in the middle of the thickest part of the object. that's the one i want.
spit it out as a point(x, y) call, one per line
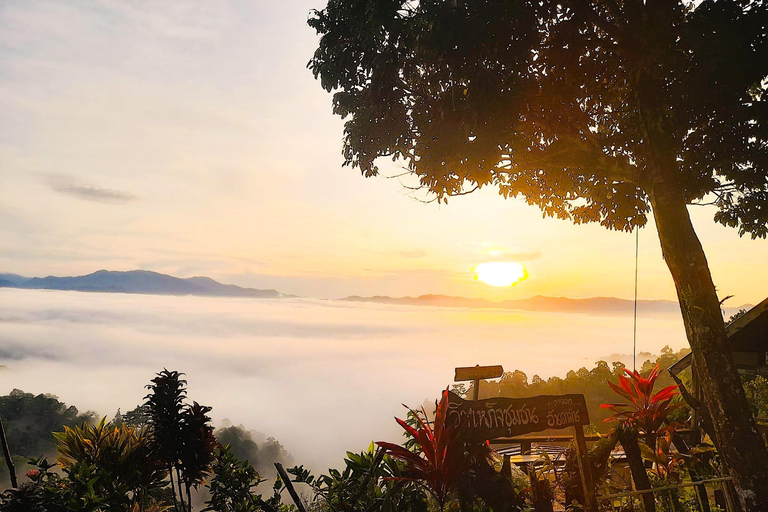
point(12, 278)
point(137, 281)
point(155, 283)
point(594, 305)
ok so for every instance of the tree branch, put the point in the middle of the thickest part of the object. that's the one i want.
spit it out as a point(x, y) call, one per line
point(591, 15)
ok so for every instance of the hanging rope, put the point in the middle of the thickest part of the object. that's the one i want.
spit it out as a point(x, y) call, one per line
point(634, 330)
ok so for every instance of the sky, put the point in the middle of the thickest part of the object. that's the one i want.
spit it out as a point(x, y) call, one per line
point(189, 138)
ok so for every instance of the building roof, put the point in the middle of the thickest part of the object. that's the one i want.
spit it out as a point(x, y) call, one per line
point(748, 333)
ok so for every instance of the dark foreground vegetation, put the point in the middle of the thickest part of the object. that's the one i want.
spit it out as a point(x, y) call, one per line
point(166, 455)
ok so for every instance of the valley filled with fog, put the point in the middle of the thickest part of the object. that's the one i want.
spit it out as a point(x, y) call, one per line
point(321, 376)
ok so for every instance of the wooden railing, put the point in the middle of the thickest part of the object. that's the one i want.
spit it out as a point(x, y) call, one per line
point(626, 501)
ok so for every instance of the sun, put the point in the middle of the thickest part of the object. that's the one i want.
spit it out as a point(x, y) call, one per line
point(500, 273)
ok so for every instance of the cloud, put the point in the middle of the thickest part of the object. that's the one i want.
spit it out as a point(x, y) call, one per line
point(343, 367)
point(416, 253)
point(507, 255)
point(72, 186)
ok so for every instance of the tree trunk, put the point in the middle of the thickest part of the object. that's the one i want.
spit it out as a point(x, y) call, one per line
point(8, 458)
point(738, 441)
point(181, 492)
point(173, 488)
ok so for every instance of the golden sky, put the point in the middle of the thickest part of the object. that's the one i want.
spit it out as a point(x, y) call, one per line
point(189, 138)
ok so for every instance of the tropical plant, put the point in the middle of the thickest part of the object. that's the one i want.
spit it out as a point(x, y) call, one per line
point(436, 460)
point(181, 434)
point(197, 446)
point(232, 484)
point(645, 410)
point(116, 464)
point(667, 465)
point(542, 493)
point(369, 481)
point(164, 408)
point(667, 469)
point(646, 414)
point(118, 467)
point(45, 492)
point(489, 480)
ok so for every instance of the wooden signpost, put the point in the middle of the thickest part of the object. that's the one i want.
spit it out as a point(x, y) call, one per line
point(492, 418)
point(476, 374)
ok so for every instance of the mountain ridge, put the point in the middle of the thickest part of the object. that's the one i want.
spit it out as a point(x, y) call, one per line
point(591, 305)
point(155, 283)
point(137, 281)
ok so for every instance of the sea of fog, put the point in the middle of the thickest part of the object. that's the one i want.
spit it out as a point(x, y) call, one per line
point(321, 376)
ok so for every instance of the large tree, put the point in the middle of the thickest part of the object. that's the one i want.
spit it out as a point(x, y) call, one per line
point(593, 110)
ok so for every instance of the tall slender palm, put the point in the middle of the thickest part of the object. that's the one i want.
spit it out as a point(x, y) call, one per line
point(165, 410)
point(197, 450)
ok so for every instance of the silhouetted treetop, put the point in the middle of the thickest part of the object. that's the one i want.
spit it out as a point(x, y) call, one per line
point(29, 420)
point(579, 107)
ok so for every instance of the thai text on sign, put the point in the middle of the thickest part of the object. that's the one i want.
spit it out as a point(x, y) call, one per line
point(480, 420)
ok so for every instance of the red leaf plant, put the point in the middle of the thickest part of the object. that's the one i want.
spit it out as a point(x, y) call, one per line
point(646, 411)
point(435, 462)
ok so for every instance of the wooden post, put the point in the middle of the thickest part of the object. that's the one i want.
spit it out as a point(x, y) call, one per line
point(731, 497)
point(525, 449)
point(695, 416)
point(476, 389)
point(7, 453)
point(289, 485)
point(587, 482)
point(637, 468)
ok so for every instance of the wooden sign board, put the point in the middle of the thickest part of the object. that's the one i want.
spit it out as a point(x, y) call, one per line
point(478, 373)
point(480, 420)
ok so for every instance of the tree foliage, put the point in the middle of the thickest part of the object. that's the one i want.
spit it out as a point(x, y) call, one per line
point(571, 105)
point(757, 393)
point(592, 383)
point(254, 447)
point(29, 420)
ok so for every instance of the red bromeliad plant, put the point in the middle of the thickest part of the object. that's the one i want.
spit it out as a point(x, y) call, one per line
point(646, 411)
point(435, 462)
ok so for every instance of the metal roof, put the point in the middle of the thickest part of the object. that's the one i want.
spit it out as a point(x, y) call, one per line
point(741, 332)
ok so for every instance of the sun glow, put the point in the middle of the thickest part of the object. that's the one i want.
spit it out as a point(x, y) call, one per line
point(500, 273)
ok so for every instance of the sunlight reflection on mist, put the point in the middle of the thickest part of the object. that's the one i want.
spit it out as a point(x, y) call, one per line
point(320, 376)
